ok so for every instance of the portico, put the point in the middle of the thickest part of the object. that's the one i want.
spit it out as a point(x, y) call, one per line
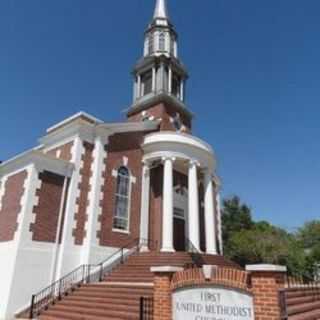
point(194, 158)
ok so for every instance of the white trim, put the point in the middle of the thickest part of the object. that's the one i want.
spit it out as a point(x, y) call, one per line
point(67, 238)
point(37, 183)
point(122, 231)
point(80, 114)
point(95, 196)
point(40, 160)
point(177, 137)
point(59, 144)
point(2, 189)
point(132, 180)
point(265, 268)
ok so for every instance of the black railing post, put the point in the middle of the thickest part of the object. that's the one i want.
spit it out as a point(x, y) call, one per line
point(83, 273)
point(59, 294)
point(101, 272)
point(89, 273)
point(32, 306)
point(141, 308)
point(122, 260)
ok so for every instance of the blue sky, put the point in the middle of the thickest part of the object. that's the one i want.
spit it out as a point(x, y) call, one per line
point(254, 86)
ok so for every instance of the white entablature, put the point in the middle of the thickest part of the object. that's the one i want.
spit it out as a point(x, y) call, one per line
point(178, 145)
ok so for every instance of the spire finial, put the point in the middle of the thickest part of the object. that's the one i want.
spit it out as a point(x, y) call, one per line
point(161, 10)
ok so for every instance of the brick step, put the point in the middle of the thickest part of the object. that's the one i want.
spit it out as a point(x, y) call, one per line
point(86, 314)
point(102, 286)
point(302, 308)
point(312, 315)
point(98, 307)
point(299, 293)
point(108, 294)
point(133, 273)
point(130, 299)
point(58, 315)
point(300, 300)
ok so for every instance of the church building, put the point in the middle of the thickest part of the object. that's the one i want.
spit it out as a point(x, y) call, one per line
point(92, 192)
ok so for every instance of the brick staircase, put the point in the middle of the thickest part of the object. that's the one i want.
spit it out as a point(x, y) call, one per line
point(117, 297)
point(303, 303)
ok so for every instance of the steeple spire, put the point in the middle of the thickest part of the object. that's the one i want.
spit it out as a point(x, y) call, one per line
point(160, 76)
point(161, 10)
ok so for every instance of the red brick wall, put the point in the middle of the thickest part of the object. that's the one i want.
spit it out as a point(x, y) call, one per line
point(162, 297)
point(164, 112)
point(121, 145)
point(10, 209)
point(265, 287)
point(66, 151)
point(45, 226)
point(81, 217)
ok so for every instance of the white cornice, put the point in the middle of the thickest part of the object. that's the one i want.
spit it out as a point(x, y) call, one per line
point(40, 160)
point(89, 132)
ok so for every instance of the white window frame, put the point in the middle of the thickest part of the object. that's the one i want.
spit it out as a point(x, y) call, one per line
point(114, 229)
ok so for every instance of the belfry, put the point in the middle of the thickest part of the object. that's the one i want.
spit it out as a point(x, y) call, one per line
point(95, 204)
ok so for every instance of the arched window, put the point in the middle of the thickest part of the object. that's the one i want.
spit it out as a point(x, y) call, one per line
point(121, 213)
point(162, 42)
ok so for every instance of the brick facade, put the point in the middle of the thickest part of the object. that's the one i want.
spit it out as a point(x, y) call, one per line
point(45, 226)
point(63, 152)
point(11, 205)
point(165, 112)
point(121, 146)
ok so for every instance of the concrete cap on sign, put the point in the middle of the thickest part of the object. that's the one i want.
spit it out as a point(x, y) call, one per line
point(166, 269)
point(266, 268)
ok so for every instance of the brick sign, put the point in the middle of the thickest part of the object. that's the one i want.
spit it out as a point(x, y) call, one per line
point(212, 303)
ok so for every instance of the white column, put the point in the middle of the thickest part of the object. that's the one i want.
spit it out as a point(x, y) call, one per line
point(194, 231)
point(66, 261)
point(182, 90)
point(219, 222)
point(210, 229)
point(154, 75)
point(135, 90)
point(145, 205)
point(95, 196)
point(167, 218)
point(170, 80)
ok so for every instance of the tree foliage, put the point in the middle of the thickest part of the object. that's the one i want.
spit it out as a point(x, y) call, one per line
point(250, 242)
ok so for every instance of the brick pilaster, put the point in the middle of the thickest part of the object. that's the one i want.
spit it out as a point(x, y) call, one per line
point(162, 302)
point(266, 281)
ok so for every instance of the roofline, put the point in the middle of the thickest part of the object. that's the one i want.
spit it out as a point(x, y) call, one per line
point(73, 117)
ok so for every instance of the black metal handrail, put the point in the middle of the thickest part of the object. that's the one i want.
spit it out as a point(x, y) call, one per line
point(283, 305)
point(84, 274)
point(197, 260)
point(146, 308)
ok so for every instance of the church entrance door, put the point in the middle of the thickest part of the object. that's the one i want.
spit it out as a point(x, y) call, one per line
point(179, 230)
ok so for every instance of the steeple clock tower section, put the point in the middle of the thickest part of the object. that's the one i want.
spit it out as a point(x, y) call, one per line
point(160, 77)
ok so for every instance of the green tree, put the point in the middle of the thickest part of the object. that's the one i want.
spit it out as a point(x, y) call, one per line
point(249, 242)
point(236, 216)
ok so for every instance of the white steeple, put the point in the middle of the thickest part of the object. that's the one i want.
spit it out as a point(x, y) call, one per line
point(161, 10)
